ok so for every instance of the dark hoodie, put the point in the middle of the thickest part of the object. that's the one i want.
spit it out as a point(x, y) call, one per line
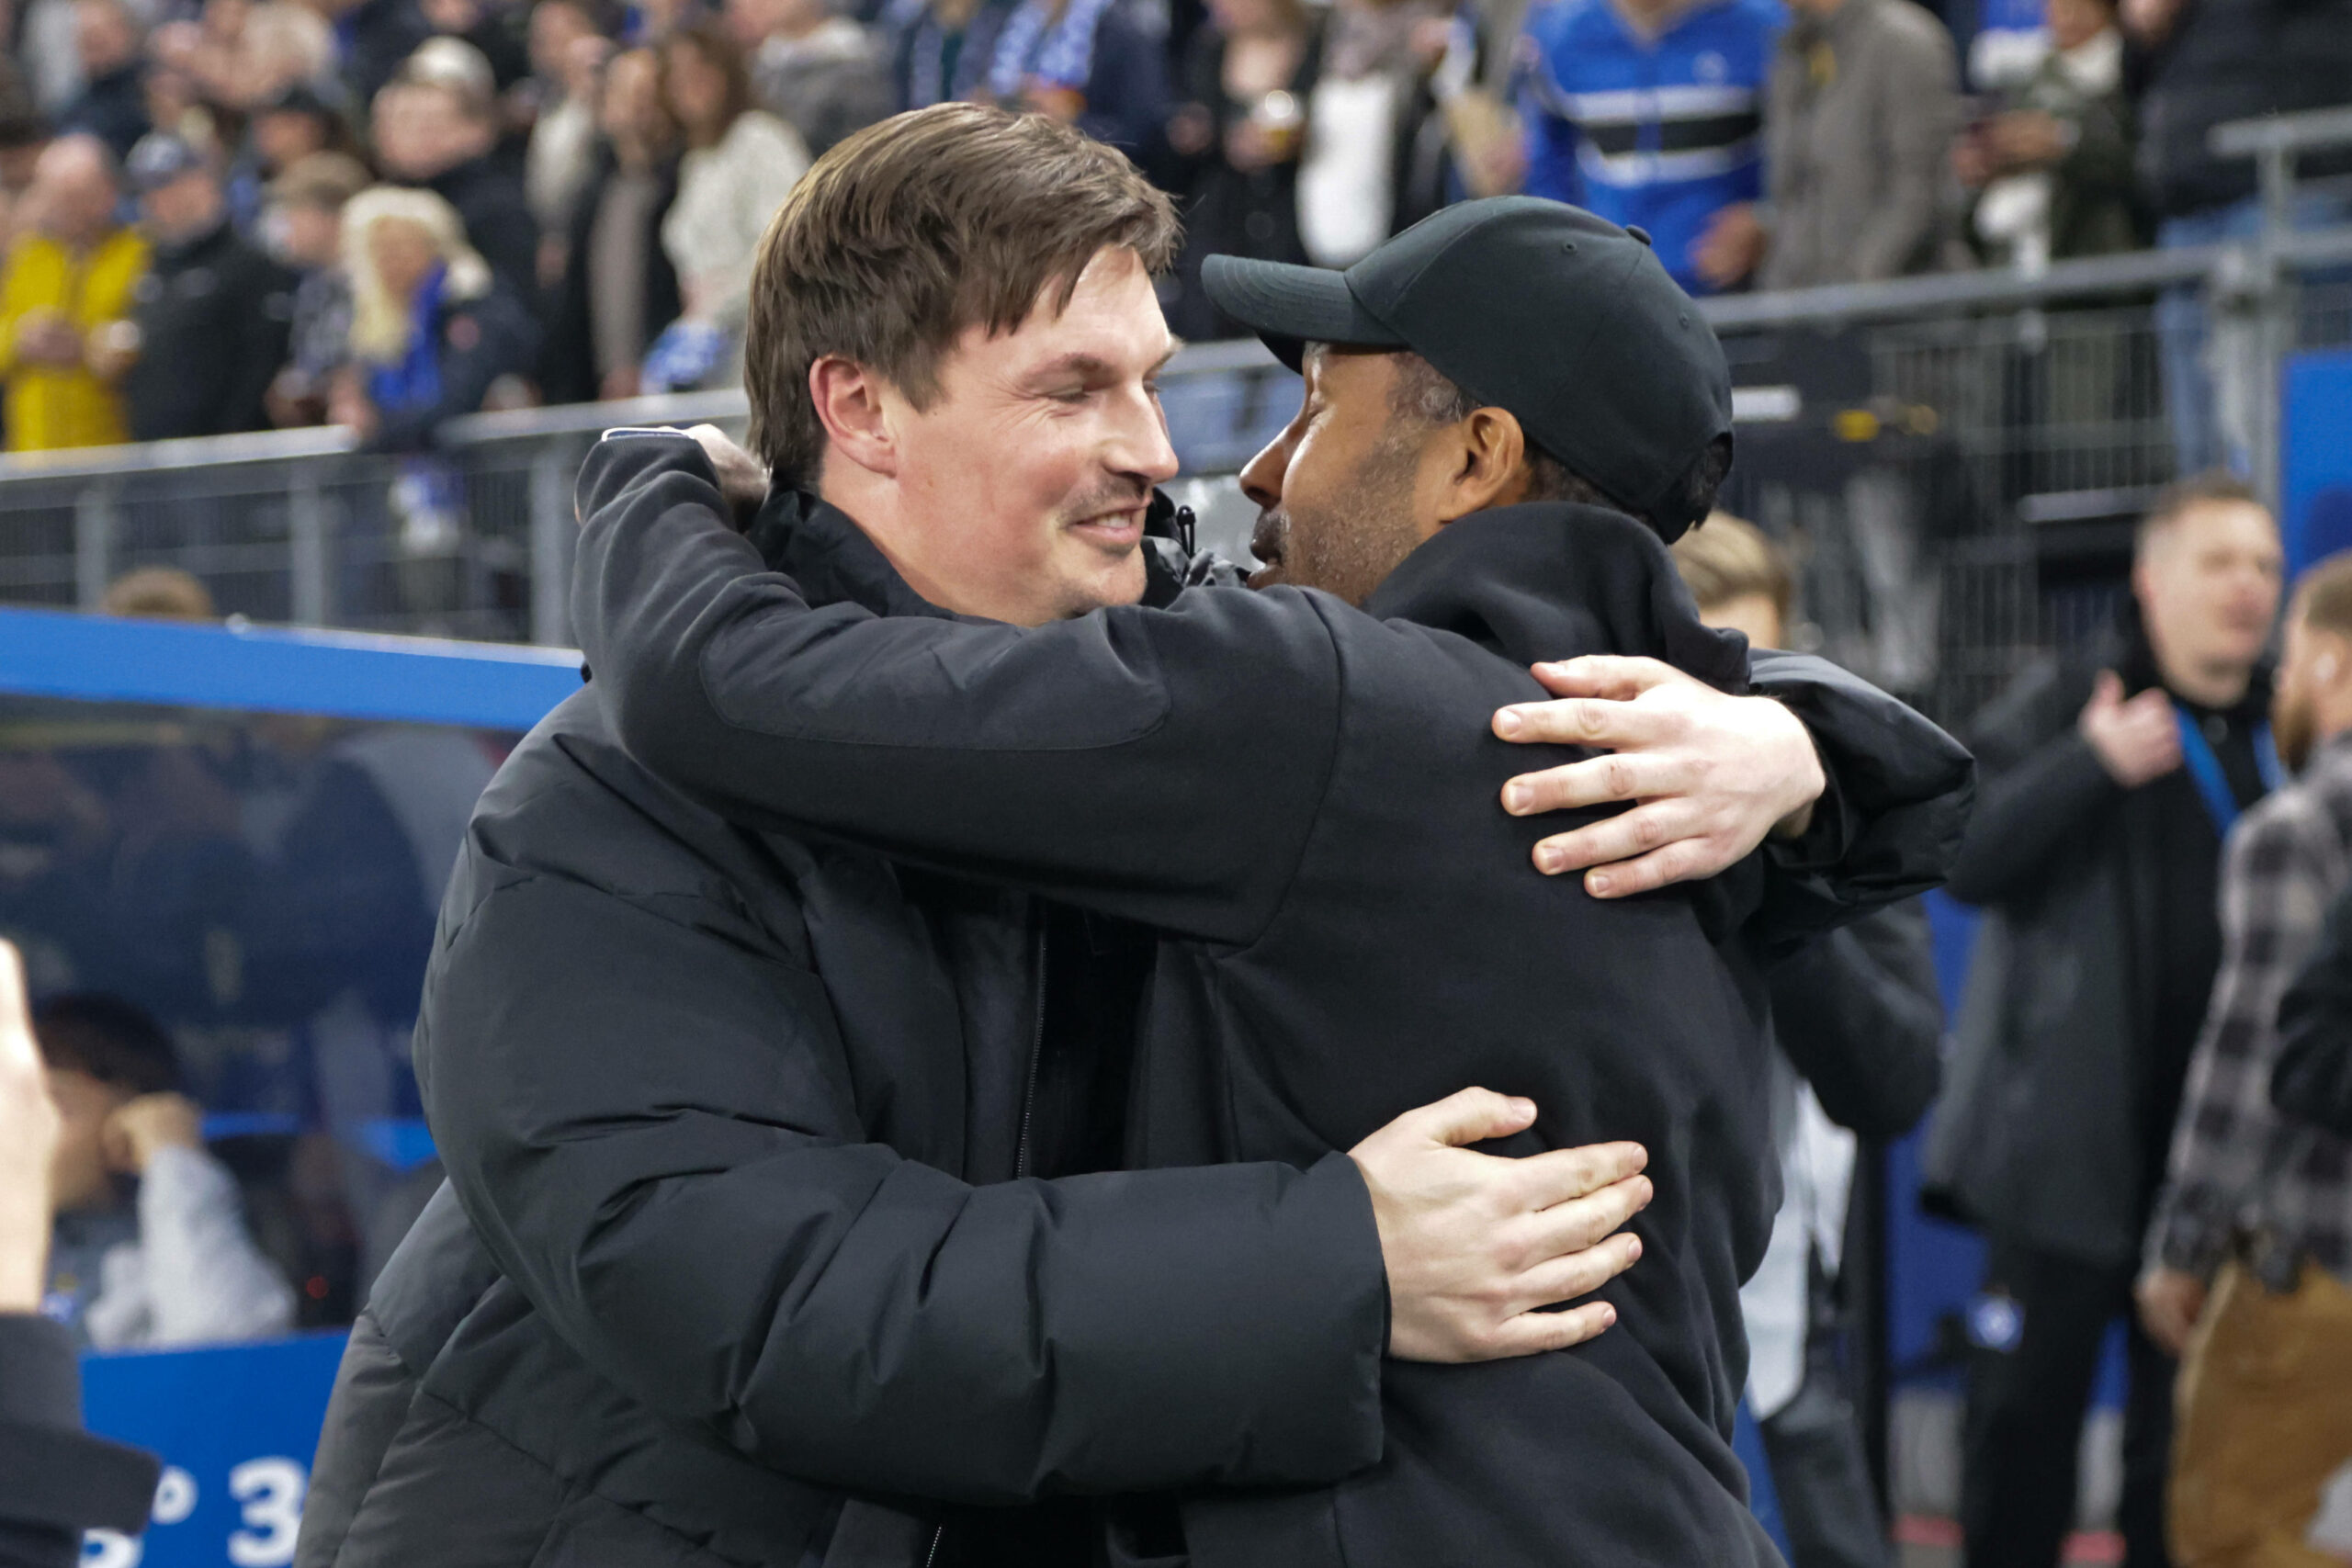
point(1336, 949)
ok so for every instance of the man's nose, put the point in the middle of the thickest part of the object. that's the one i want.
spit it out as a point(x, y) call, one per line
point(1143, 448)
point(1261, 478)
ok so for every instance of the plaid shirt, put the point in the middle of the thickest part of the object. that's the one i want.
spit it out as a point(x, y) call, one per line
point(2237, 1169)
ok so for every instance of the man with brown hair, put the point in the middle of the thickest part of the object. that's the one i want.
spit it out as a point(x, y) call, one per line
point(1293, 796)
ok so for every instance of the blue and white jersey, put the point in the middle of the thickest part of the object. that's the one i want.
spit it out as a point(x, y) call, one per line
point(1663, 133)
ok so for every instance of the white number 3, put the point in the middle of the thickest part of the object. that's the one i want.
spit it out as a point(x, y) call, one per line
point(271, 1490)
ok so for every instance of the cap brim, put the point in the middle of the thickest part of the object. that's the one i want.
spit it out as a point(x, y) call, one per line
point(1291, 307)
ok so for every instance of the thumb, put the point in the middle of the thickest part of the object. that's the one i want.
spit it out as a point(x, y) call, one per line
point(1470, 1116)
point(2106, 690)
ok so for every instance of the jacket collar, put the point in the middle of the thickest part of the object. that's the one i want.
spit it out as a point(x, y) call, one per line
point(819, 547)
point(1553, 580)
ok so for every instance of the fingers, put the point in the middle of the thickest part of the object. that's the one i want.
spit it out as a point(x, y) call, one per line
point(1591, 721)
point(1657, 825)
point(1533, 1332)
point(1599, 781)
point(1577, 1274)
point(16, 1021)
point(1614, 677)
point(1580, 1224)
point(1687, 860)
point(1563, 1176)
point(1467, 1116)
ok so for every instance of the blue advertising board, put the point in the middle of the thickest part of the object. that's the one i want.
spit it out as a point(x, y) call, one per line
point(235, 1427)
point(2315, 457)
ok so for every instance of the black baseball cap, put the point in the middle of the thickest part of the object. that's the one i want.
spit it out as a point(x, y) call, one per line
point(1560, 316)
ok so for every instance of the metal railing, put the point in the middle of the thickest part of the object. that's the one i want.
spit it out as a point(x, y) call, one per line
point(1953, 459)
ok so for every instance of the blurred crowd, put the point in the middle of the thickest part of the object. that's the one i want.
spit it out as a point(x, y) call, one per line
point(228, 215)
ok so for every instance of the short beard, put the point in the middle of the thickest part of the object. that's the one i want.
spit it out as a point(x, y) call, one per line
point(1350, 548)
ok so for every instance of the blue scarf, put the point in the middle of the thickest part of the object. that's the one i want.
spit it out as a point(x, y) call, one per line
point(416, 382)
point(1033, 47)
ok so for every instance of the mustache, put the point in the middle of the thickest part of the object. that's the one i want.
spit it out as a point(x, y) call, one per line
point(1110, 498)
point(1270, 539)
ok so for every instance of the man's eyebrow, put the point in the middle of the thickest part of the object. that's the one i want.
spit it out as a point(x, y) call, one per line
point(1093, 365)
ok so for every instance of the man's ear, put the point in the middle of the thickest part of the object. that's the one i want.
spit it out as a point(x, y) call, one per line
point(1487, 465)
point(849, 402)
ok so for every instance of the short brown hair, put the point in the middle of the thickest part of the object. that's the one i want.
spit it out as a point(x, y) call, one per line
point(2214, 486)
point(1730, 558)
point(916, 229)
point(2324, 597)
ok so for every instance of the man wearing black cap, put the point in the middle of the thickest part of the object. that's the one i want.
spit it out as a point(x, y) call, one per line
point(1318, 857)
point(211, 316)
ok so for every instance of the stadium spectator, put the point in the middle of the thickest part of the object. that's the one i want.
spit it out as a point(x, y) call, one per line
point(436, 126)
point(160, 594)
point(739, 164)
point(618, 288)
point(568, 54)
point(2251, 1247)
point(305, 206)
point(113, 102)
point(213, 312)
point(1651, 112)
point(1101, 65)
point(2314, 1079)
point(56, 1481)
point(376, 38)
point(2210, 63)
point(2052, 171)
point(433, 328)
point(2108, 783)
point(169, 1263)
point(1858, 117)
point(66, 303)
point(243, 54)
point(23, 134)
point(488, 29)
point(941, 50)
point(1235, 144)
point(820, 72)
point(1857, 1022)
point(285, 129)
point(1360, 123)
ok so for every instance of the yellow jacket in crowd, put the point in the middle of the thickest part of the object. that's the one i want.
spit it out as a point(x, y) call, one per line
point(53, 406)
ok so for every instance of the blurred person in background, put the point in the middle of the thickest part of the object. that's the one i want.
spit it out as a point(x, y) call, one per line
point(285, 129)
point(1856, 1024)
point(2109, 781)
point(1101, 65)
point(2209, 61)
point(159, 593)
point(212, 313)
point(1651, 112)
point(1361, 124)
point(568, 54)
point(23, 133)
point(66, 301)
point(941, 50)
point(491, 29)
point(618, 289)
point(2052, 171)
point(112, 105)
point(2248, 1276)
point(1859, 113)
point(432, 326)
point(1234, 145)
point(305, 225)
point(373, 40)
point(436, 126)
point(243, 54)
point(55, 1480)
point(818, 71)
point(739, 164)
point(150, 1247)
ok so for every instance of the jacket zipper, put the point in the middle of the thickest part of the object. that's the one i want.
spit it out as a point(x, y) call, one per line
point(930, 1557)
point(1036, 1054)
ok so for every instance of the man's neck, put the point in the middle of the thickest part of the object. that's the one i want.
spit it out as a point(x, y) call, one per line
point(872, 504)
point(2207, 685)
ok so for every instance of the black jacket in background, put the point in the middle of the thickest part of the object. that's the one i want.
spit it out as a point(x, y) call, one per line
point(55, 1480)
point(2059, 1105)
point(568, 363)
point(214, 315)
point(488, 194)
point(1338, 944)
point(2313, 1077)
point(1860, 1017)
point(2237, 59)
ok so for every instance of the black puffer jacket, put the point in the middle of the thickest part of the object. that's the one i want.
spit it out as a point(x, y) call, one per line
point(1340, 942)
